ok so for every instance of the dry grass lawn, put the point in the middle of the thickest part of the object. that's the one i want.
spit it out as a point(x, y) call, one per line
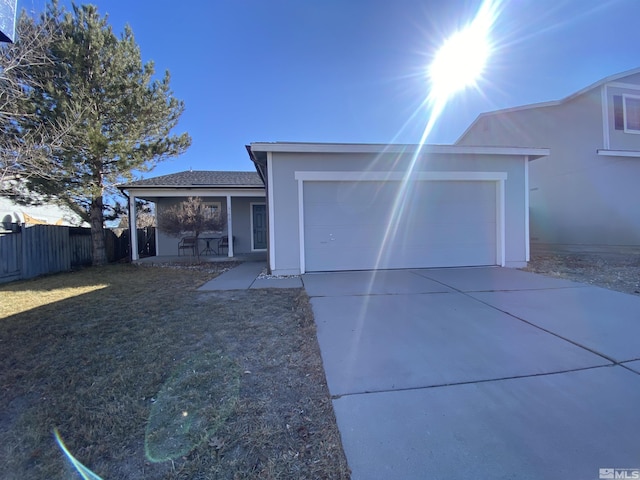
point(144, 377)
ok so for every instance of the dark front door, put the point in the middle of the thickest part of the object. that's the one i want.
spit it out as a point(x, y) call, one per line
point(259, 227)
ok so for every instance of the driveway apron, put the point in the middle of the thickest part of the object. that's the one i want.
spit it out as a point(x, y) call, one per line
point(479, 373)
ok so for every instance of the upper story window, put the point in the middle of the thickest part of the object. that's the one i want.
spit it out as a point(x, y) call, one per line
point(626, 112)
point(631, 113)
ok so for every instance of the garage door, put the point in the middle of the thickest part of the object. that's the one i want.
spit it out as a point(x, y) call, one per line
point(361, 225)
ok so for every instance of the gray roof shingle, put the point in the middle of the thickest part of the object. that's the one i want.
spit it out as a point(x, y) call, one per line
point(204, 178)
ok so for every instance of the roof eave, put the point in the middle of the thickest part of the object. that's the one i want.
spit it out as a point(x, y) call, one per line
point(187, 186)
point(259, 164)
point(281, 147)
point(553, 103)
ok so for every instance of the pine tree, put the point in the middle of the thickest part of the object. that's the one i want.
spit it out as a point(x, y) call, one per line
point(25, 153)
point(122, 116)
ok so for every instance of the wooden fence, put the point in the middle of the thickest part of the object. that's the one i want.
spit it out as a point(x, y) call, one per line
point(117, 243)
point(29, 251)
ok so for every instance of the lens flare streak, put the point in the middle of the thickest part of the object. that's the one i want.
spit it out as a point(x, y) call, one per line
point(457, 65)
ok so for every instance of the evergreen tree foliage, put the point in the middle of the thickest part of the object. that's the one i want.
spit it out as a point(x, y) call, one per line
point(120, 116)
point(26, 153)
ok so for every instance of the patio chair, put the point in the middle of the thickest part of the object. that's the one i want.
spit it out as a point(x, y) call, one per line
point(223, 244)
point(188, 243)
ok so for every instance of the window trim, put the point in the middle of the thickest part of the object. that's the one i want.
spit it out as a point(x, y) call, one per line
point(217, 205)
point(625, 97)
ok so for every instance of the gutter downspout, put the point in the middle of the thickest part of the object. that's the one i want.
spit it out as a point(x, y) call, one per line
point(262, 171)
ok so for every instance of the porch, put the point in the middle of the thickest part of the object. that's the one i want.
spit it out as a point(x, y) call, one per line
point(190, 259)
point(239, 197)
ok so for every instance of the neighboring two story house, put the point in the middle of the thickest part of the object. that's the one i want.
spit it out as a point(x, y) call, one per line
point(584, 196)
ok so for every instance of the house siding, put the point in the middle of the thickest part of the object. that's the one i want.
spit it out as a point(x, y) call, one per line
point(240, 207)
point(578, 199)
point(285, 192)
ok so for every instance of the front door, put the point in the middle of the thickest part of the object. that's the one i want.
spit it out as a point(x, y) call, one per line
point(259, 224)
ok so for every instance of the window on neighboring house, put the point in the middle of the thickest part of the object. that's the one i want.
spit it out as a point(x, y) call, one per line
point(626, 113)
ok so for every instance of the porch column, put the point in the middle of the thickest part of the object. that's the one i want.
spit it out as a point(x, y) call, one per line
point(229, 226)
point(133, 236)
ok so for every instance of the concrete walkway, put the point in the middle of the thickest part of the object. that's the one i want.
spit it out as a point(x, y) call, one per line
point(479, 373)
point(245, 275)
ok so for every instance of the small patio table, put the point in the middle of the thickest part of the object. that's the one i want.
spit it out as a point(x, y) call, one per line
point(210, 249)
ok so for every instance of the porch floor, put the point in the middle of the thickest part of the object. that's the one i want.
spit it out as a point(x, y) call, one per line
point(240, 257)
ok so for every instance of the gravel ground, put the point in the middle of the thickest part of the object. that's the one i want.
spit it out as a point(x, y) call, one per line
point(613, 271)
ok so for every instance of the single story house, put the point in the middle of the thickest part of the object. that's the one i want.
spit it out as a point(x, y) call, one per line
point(367, 206)
point(330, 207)
point(584, 195)
point(238, 196)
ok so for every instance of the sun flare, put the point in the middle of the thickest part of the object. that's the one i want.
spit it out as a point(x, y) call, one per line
point(461, 60)
point(459, 63)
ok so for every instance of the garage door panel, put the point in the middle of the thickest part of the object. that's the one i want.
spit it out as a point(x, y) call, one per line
point(350, 192)
point(353, 226)
point(361, 209)
point(424, 204)
point(344, 236)
point(458, 198)
point(369, 235)
point(360, 258)
point(328, 214)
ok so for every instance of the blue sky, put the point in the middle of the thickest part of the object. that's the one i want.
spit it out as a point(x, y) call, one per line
point(354, 70)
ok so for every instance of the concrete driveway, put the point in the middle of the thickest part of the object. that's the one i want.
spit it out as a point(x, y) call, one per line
point(480, 373)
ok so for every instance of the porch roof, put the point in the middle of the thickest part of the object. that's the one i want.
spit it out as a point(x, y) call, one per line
point(199, 178)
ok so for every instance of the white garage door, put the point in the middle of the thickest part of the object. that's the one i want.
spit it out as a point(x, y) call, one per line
point(363, 225)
